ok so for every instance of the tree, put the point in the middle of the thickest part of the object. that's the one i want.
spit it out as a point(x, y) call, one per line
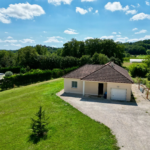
point(148, 52)
point(103, 59)
point(116, 61)
point(138, 80)
point(147, 89)
point(26, 56)
point(147, 61)
point(41, 50)
point(95, 58)
point(85, 59)
point(39, 125)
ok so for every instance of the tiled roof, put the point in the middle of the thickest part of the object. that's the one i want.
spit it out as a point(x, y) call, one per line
point(82, 71)
point(109, 72)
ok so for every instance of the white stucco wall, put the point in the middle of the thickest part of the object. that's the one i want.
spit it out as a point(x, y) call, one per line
point(91, 87)
point(68, 86)
point(111, 85)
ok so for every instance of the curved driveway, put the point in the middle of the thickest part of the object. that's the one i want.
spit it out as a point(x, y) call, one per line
point(129, 121)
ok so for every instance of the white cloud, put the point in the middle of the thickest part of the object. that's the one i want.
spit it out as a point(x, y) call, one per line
point(140, 39)
point(8, 41)
point(90, 9)
point(87, 38)
point(18, 45)
point(140, 16)
point(9, 37)
point(27, 41)
point(44, 32)
point(107, 37)
point(96, 11)
point(134, 29)
point(88, 0)
point(20, 11)
point(119, 32)
point(70, 31)
point(114, 32)
point(131, 12)
point(142, 31)
point(115, 6)
point(81, 10)
point(118, 35)
point(4, 19)
point(138, 5)
point(147, 3)
point(58, 2)
point(133, 6)
point(6, 32)
point(54, 39)
point(121, 39)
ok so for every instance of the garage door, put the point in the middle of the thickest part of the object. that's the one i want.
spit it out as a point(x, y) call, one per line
point(118, 94)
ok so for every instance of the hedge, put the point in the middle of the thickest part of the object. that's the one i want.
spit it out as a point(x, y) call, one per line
point(32, 77)
point(12, 69)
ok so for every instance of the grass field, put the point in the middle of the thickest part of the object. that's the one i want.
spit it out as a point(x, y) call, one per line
point(141, 56)
point(69, 129)
point(127, 64)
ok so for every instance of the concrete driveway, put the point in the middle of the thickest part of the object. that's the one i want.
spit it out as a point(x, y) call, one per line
point(129, 121)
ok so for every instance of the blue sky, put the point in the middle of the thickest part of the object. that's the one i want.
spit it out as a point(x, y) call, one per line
point(54, 22)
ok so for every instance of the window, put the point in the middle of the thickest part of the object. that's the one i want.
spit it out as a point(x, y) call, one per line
point(74, 84)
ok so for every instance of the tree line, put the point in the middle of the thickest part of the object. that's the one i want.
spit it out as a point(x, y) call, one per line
point(74, 53)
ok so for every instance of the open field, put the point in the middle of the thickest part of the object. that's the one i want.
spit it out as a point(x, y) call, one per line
point(127, 64)
point(69, 129)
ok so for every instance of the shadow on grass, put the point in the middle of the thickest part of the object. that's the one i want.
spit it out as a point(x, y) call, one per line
point(35, 139)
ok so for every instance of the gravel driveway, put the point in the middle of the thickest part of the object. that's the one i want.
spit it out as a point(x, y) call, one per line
point(129, 121)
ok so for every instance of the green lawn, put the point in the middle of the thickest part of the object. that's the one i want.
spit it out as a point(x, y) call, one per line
point(69, 129)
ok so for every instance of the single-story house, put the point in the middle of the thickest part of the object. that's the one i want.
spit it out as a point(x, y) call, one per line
point(2, 75)
point(109, 79)
point(136, 60)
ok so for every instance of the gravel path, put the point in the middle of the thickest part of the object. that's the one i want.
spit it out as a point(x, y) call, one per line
point(129, 121)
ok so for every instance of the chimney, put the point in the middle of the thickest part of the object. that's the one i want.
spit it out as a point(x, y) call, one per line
point(112, 64)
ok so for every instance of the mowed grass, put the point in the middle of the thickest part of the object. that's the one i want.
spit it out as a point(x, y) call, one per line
point(127, 64)
point(69, 129)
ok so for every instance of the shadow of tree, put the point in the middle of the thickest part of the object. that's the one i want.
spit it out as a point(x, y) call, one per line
point(35, 139)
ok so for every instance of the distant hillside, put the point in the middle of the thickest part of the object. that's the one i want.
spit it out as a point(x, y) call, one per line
point(137, 48)
point(49, 48)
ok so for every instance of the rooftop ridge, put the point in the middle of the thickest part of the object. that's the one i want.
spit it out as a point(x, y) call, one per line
point(120, 72)
point(97, 69)
point(74, 70)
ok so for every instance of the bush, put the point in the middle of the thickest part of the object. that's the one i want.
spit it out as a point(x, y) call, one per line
point(8, 74)
point(139, 70)
point(32, 77)
point(23, 70)
point(148, 76)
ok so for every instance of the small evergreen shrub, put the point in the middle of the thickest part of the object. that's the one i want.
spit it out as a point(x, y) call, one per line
point(8, 74)
point(39, 124)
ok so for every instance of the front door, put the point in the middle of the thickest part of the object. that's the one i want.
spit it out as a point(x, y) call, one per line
point(100, 89)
